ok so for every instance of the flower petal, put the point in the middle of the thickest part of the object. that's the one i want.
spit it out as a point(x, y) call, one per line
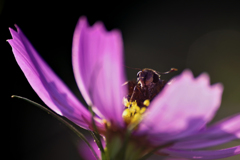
point(53, 92)
point(222, 132)
point(172, 158)
point(208, 154)
point(85, 151)
point(98, 68)
point(182, 108)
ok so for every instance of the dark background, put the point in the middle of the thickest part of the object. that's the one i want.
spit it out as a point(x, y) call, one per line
point(201, 35)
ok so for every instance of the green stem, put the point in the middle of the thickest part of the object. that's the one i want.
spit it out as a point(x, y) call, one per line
point(96, 134)
point(122, 152)
point(58, 117)
point(95, 138)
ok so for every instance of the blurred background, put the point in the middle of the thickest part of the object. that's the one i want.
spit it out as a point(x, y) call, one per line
point(201, 35)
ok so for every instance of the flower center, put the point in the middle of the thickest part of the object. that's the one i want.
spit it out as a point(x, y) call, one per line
point(133, 113)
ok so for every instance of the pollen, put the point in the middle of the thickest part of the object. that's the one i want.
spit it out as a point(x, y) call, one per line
point(134, 104)
point(142, 110)
point(125, 102)
point(146, 102)
point(135, 109)
point(133, 113)
point(136, 118)
point(127, 115)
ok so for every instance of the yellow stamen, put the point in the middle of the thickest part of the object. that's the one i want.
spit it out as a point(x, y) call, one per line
point(133, 114)
point(136, 118)
point(134, 103)
point(135, 109)
point(146, 102)
point(127, 116)
point(125, 102)
point(143, 109)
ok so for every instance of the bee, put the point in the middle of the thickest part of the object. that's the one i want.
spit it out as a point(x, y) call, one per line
point(146, 87)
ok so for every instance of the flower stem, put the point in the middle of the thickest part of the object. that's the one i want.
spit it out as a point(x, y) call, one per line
point(58, 117)
point(122, 152)
point(96, 134)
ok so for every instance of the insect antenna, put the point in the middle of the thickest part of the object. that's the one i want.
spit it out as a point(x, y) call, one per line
point(171, 70)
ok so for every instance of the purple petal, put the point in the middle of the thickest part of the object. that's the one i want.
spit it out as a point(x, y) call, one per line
point(172, 158)
point(86, 153)
point(98, 68)
point(213, 154)
point(182, 108)
point(222, 132)
point(53, 92)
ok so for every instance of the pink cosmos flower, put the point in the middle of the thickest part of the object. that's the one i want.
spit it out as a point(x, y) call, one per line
point(174, 124)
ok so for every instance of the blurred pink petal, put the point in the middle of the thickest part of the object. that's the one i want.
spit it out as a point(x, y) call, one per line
point(222, 132)
point(171, 158)
point(210, 154)
point(86, 153)
point(182, 108)
point(98, 68)
point(45, 82)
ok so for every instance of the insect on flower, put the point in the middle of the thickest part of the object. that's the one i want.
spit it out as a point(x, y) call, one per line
point(156, 117)
point(141, 92)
